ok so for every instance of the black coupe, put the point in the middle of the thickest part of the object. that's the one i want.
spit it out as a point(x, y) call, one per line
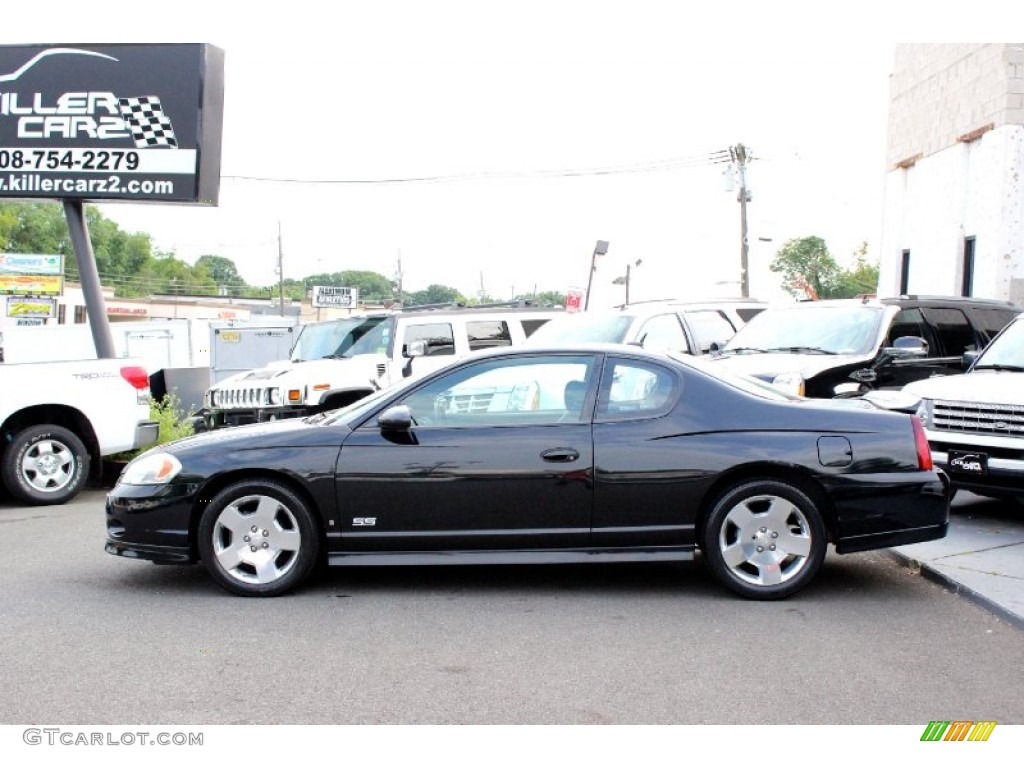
point(588, 454)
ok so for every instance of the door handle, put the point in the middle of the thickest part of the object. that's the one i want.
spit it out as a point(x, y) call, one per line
point(560, 454)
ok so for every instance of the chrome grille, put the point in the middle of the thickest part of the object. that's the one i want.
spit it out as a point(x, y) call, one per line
point(978, 418)
point(242, 397)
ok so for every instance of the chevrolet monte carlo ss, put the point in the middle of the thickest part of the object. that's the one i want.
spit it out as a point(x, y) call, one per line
point(571, 455)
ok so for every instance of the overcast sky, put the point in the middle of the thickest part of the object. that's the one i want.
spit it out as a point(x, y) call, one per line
point(515, 99)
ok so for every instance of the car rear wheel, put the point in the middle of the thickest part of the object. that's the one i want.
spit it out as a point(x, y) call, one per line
point(764, 539)
point(45, 464)
point(258, 538)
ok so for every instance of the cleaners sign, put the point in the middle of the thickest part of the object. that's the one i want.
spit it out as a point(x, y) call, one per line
point(111, 122)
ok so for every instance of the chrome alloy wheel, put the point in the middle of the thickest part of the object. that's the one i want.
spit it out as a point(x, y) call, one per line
point(48, 466)
point(256, 539)
point(765, 540)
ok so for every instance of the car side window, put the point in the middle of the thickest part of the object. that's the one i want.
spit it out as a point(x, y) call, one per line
point(546, 389)
point(485, 334)
point(956, 335)
point(438, 336)
point(632, 389)
point(707, 327)
point(663, 332)
point(529, 326)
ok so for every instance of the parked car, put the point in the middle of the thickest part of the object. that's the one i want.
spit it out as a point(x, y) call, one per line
point(975, 421)
point(847, 347)
point(606, 454)
point(689, 327)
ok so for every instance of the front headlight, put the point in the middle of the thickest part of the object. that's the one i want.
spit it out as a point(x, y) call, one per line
point(790, 383)
point(924, 412)
point(154, 469)
point(274, 396)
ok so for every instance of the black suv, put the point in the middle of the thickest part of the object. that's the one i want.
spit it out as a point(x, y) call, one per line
point(846, 347)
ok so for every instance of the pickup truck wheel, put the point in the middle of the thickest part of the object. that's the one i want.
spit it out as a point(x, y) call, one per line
point(258, 538)
point(45, 464)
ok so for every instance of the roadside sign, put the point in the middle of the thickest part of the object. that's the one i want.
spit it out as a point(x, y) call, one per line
point(335, 296)
point(573, 300)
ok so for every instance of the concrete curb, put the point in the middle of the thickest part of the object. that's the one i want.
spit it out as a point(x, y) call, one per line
point(936, 576)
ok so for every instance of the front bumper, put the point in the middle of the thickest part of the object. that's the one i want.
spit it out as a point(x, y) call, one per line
point(151, 522)
point(236, 417)
point(1004, 475)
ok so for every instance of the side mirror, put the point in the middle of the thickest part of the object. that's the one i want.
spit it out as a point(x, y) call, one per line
point(908, 347)
point(397, 418)
point(968, 359)
point(716, 347)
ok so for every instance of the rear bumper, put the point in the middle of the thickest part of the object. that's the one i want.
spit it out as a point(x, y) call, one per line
point(146, 433)
point(889, 510)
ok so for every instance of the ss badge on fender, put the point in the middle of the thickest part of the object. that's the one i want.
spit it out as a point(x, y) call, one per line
point(364, 521)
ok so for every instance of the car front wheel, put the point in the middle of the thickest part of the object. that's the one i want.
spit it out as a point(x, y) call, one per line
point(764, 539)
point(45, 464)
point(258, 538)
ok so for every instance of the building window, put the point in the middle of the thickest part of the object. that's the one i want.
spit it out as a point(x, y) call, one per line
point(61, 313)
point(80, 314)
point(905, 273)
point(967, 281)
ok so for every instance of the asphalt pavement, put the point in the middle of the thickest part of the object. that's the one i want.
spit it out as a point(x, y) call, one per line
point(982, 556)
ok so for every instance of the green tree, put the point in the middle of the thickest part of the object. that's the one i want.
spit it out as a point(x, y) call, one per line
point(222, 272)
point(862, 279)
point(806, 263)
point(436, 294)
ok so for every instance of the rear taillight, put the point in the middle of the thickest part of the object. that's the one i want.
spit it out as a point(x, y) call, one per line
point(136, 376)
point(924, 452)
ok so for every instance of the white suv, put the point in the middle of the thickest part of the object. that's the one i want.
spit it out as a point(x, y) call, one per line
point(687, 327)
point(975, 421)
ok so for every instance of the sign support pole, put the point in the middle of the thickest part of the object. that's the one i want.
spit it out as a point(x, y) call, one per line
point(99, 324)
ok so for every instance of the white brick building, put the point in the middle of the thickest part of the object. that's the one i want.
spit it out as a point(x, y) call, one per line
point(953, 220)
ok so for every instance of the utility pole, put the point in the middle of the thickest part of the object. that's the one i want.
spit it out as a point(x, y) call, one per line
point(398, 277)
point(280, 266)
point(740, 155)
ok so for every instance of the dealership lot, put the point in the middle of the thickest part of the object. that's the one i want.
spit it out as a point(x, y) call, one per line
point(89, 638)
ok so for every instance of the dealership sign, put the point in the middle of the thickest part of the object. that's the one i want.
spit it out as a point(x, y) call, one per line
point(111, 122)
point(38, 285)
point(335, 296)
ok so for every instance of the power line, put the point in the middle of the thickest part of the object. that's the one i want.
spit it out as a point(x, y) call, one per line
point(669, 164)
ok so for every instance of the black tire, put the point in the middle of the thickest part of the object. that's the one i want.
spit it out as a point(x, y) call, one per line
point(764, 539)
point(45, 464)
point(257, 538)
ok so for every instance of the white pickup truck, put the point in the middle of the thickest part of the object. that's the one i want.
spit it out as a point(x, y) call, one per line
point(57, 420)
point(975, 421)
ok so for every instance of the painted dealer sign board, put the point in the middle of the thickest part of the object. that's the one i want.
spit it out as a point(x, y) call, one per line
point(111, 122)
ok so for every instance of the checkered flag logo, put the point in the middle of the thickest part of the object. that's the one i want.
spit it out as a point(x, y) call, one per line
point(145, 118)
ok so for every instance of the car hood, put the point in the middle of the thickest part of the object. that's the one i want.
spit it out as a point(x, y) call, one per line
point(1000, 387)
point(273, 434)
point(768, 365)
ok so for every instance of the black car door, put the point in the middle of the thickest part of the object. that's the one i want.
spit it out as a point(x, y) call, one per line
point(500, 456)
point(645, 477)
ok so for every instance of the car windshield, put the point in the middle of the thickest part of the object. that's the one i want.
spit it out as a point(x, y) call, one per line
point(583, 328)
point(1006, 351)
point(343, 338)
point(807, 328)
